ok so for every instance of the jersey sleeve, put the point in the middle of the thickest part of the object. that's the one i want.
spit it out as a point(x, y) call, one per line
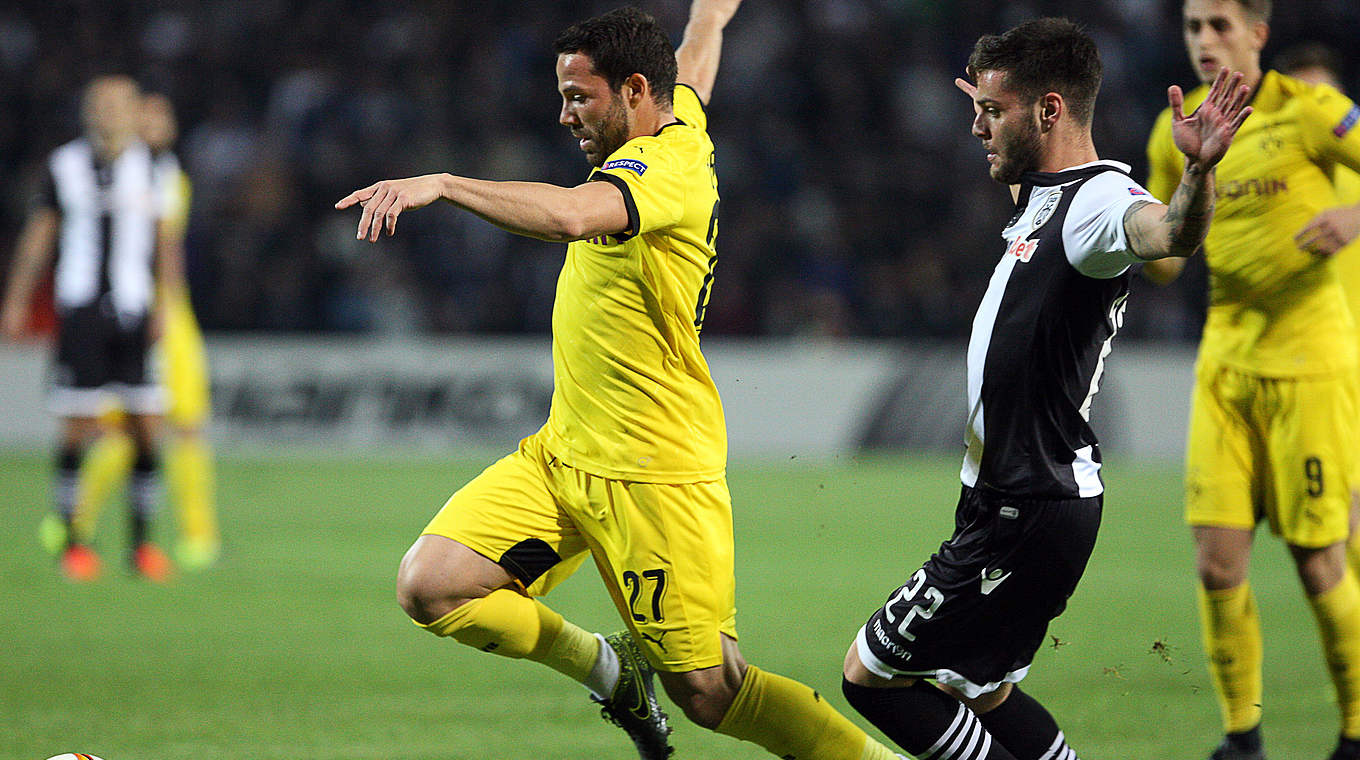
point(1332, 127)
point(653, 191)
point(1093, 232)
point(1165, 162)
point(688, 108)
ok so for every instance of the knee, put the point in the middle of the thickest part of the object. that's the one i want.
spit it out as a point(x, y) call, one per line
point(426, 596)
point(1218, 570)
point(1320, 569)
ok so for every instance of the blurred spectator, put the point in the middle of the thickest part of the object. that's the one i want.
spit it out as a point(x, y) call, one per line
point(843, 150)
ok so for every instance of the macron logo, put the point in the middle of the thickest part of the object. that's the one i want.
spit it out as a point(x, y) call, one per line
point(631, 164)
point(993, 578)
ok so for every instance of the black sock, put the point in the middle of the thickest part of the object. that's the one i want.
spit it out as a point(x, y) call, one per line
point(1246, 741)
point(1027, 729)
point(67, 476)
point(925, 721)
point(142, 495)
point(1346, 749)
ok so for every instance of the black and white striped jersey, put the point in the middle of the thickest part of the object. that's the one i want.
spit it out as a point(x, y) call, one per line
point(109, 212)
point(1043, 330)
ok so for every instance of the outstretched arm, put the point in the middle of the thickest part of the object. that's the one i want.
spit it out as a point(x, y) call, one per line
point(697, 57)
point(1178, 228)
point(533, 209)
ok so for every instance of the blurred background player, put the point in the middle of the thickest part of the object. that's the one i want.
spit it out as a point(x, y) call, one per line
point(1273, 424)
point(1316, 63)
point(182, 363)
point(101, 210)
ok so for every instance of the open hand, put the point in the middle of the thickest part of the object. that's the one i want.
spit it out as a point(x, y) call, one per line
point(384, 201)
point(1204, 136)
point(1330, 231)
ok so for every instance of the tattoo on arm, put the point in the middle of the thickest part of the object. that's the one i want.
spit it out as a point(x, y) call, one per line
point(1190, 211)
point(1181, 229)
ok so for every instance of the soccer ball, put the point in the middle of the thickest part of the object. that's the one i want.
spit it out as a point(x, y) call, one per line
point(74, 756)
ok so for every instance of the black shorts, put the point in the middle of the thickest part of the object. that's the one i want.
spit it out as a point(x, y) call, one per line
point(976, 612)
point(97, 354)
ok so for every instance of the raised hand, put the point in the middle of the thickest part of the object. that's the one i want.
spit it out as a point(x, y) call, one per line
point(384, 201)
point(1204, 136)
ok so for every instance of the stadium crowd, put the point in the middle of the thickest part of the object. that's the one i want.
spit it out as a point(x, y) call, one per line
point(853, 198)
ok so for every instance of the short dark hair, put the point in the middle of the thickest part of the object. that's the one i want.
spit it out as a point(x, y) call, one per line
point(1258, 8)
point(621, 43)
point(1307, 55)
point(1041, 56)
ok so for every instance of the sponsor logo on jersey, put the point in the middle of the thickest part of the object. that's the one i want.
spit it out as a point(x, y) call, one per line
point(1045, 211)
point(1137, 191)
point(1267, 187)
point(631, 164)
point(993, 578)
point(1023, 249)
point(1352, 117)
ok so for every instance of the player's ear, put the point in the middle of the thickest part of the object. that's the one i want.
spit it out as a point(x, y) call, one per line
point(1051, 106)
point(635, 88)
point(1260, 33)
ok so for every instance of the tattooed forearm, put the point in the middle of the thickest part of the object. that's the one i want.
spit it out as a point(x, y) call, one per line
point(1190, 211)
point(1180, 229)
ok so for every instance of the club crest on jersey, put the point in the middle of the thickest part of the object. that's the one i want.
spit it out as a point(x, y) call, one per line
point(631, 164)
point(1022, 249)
point(1045, 211)
point(1352, 116)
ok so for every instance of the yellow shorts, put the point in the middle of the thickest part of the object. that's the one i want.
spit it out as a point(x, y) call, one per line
point(664, 551)
point(183, 364)
point(1278, 448)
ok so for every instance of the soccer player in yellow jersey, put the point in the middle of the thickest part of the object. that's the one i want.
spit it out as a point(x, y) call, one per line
point(181, 358)
point(1273, 421)
point(629, 468)
point(1317, 64)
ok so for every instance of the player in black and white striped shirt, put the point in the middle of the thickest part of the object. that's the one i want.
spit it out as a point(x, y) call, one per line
point(973, 616)
point(100, 209)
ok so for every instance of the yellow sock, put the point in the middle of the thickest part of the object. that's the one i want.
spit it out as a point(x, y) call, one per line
point(1232, 641)
point(1338, 617)
point(103, 470)
point(510, 624)
point(189, 477)
point(794, 722)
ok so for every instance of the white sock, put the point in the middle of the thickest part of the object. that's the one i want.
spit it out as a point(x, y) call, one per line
point(604, 675)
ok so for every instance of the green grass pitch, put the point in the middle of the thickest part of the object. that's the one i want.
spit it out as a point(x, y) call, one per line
point(294, 647)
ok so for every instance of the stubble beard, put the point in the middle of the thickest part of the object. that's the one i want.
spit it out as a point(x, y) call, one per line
point(613, 131)
point(1020, 154)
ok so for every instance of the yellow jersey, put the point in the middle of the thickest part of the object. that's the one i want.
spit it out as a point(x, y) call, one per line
point(1347, 184)
point(1274, 310)
point(632, 397)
